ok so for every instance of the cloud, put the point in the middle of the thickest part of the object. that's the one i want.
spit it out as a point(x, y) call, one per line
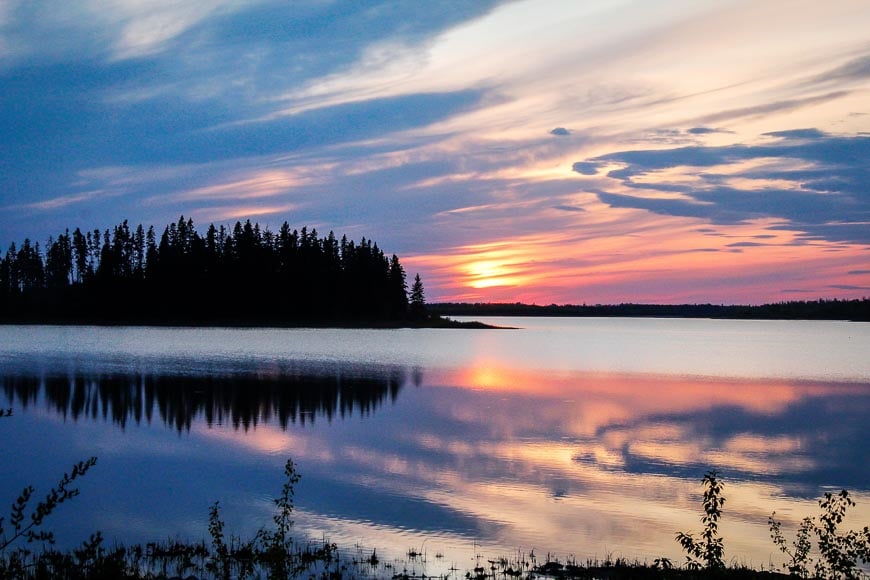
point(855, 69)
point(814, 181)
point(766, 109)
point(672, 207)
point(746, 245)
point(57, 31)
point(333, 34)
point(237, 212)
point(59, 202)
point(570, 208)
point(702, 130)
point(585, 167)
point(55, 134)
point(148, 28)
point(798, 134)
point(259, 184)
point(560, 131)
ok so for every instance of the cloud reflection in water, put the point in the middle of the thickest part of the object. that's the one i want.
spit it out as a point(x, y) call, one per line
point(572, 462)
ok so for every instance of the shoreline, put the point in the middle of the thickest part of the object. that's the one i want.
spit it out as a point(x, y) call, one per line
point(435, 322)
point(857, 310)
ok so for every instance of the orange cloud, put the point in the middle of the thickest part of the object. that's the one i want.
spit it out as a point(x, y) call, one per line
point(610, 255)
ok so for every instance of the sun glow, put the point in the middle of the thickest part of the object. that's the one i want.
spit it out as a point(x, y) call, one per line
point(491, 273)
point(580, 264)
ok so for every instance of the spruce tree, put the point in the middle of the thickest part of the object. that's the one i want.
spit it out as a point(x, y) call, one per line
point(418, 299)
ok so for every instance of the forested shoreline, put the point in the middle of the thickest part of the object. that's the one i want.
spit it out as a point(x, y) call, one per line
point(243, 275)
point(248, 275)
point(822, 309)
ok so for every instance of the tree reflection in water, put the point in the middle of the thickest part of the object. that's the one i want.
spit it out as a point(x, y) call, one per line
point(241, 400)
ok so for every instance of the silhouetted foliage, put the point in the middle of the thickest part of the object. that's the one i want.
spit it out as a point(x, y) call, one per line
point(242, 275)
point(418, 299)
point(709, 548)
point(840, 555)
point(273, 552)
point(277, 552)
point(29, 529)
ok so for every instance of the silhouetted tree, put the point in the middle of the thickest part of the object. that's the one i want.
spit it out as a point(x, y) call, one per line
point(139, 252)
point(80, 255)
point(398, 289)
point(247, 273)
point(29, 268)
point(6, 282)
point(58, 261)
point(418, 299)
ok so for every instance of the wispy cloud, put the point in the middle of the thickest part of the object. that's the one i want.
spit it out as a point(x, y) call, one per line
point(856, 69)
point(64, 200)
point(259, 184)
point(766, 109)
point(239, 212)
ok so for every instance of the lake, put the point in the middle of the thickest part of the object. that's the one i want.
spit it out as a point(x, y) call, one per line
point(583, 437)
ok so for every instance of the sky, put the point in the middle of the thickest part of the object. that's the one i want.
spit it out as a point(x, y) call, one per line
point(543, 151)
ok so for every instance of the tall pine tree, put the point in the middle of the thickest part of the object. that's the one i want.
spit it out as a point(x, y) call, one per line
point(418, 299)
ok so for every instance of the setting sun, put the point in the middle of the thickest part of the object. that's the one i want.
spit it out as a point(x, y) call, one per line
point(487, 274)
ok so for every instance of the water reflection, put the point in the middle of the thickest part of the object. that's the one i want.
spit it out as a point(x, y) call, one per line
point(489, 421)
point(178, 401)
point(802, 435)
point(571, 462)
point(575, 462)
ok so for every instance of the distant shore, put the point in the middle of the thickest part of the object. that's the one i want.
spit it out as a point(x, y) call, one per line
point(440, 315)
point(852, 310)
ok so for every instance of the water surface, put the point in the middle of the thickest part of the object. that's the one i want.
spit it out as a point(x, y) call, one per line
point(573, 436)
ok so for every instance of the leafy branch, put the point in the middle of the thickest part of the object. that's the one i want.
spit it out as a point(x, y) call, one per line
point(840, 554)
point(277, 543)
point(709, 548)
point(29, 528)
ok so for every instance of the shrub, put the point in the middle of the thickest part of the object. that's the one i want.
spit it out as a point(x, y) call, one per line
point(839, 554)
point(709, 548)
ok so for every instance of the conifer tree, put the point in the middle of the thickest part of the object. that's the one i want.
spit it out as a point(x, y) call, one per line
point(418, 299)
point(246, 273)
point(398, 289)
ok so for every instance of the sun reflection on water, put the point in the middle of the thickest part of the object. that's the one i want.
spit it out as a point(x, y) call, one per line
point(588, 464)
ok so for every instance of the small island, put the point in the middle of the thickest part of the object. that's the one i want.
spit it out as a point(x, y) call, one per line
point(243, 276)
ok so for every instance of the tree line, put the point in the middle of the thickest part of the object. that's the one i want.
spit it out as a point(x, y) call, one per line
point(822, 309)
point(243, 274)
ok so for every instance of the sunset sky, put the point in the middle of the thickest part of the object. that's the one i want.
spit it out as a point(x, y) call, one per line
point(538, 151)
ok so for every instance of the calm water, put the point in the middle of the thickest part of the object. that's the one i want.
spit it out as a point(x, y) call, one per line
point(571, 436)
